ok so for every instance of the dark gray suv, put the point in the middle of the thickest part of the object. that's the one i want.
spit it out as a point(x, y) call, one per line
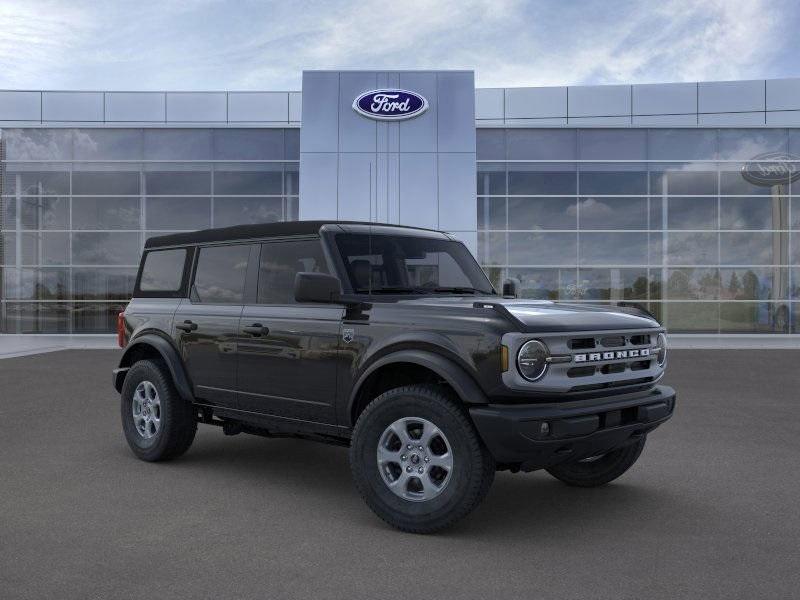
point(389, 340)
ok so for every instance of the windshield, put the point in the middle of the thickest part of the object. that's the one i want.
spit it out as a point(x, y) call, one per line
point(391, 264)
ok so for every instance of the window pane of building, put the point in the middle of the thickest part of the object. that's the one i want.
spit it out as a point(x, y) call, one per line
point(491, 144)
point(248, 182)
point(47, 248)
point(95, 317)
point(492, 248)
point(174, 213)
point(541, 144)
point(108, 144)
point(610, 182)
point(612, 213)
point(754, 283)
point(612, 284)
point(545, 284)
point(240, 211)
point(753, 317)
point(248, 144)
point(37, 317)
point(105, 213)
point(117, 183)
point(670, 180)
point(492, 213)
point(38, 144)
point(693, 284)
point(44, 212)
point(100, 283)
point(692, 248)
point(101, 248)
point(178, 144)
point(542, 213)
point(682, 144)
point(612, 144)
point(688, 213)
point(754, 212)
point(746, 144)
point(752, 248)
point(491, 179)
point(36, 284)
point(691, 317)
point(534, 249)
point(178, 183)
point(529, 181)
point(613, 249)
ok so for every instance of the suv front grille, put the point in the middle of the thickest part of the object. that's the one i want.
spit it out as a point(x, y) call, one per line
point(584, 361)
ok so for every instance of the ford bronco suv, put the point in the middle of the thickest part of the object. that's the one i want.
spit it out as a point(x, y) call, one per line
point(392, 341)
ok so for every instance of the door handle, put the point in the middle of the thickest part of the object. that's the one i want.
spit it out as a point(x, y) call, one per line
point(256, 329)
point(186, 326)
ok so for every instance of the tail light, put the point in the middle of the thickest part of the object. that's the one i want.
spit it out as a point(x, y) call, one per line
point(121, 329)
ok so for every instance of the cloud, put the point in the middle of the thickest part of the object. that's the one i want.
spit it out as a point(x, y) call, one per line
point(216, 44)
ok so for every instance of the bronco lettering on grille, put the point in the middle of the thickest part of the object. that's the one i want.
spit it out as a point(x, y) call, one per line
point(615, 355)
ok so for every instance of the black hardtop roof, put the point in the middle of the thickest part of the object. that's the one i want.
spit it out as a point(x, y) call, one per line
point(261, 230)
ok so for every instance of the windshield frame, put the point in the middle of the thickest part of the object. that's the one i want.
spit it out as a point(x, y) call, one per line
point(462, 256)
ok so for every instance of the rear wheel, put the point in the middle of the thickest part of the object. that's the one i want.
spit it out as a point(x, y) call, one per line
point(417, 460)
point(158, 423)
point(601, 469)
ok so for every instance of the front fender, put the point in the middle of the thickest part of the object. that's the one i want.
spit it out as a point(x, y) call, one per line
point(166, 351)
point(461, 381)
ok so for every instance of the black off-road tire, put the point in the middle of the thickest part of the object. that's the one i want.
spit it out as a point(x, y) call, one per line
point(608, 467)
point(178, 425)
point(473, 467)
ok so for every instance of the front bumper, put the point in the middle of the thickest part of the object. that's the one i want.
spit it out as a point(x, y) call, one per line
point(535, 436)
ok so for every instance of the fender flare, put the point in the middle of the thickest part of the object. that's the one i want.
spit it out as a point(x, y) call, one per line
point(462, 382)
point(170, 356)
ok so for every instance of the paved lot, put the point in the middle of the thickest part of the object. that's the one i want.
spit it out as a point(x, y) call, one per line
point(710, 510)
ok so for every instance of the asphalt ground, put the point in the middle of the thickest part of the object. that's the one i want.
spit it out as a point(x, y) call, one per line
point(710, 510)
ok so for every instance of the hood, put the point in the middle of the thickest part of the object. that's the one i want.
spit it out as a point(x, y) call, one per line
point(544, 316)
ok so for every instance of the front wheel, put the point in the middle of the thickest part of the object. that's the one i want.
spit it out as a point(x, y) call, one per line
point(418, 461)
point(599, 470)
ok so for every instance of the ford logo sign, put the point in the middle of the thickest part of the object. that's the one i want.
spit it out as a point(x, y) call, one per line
point(772, 168)
point(390, 105)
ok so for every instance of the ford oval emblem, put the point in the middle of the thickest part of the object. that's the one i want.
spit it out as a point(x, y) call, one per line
point(390, 105)
point(772, 168)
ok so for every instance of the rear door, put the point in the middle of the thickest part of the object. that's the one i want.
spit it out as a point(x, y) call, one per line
point(207, 324)
point(288, 352)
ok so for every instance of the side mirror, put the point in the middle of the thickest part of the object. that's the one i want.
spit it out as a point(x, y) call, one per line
point(510, 288)
point(316, 287)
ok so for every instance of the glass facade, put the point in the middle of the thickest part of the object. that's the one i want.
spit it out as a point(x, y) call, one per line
point(664, 217)
point(77, 204)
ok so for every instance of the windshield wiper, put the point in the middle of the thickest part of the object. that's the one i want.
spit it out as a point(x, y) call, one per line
point(389, 290)
point(460, 290)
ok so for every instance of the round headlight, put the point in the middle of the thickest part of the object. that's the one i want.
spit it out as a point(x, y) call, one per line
point(661, 349)
point(532, 360)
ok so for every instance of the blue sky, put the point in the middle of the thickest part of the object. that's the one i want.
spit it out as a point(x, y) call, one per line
point(248, 45)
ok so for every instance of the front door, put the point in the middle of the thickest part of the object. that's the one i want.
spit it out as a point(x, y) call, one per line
point(207, 324)
point(288, 352)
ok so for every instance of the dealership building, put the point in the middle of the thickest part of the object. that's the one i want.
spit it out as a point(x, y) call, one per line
point(682, 197)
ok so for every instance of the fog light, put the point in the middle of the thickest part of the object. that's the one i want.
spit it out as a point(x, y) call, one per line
point(544, 428)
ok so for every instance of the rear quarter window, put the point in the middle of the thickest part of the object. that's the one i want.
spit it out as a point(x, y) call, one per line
point(163, 272)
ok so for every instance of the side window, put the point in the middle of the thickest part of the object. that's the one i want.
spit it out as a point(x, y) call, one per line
point(220, 274)
point(162, 270)
point(280, 262)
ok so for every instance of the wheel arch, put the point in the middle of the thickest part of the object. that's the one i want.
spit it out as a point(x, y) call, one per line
point(405, 367)
point(153, 346)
